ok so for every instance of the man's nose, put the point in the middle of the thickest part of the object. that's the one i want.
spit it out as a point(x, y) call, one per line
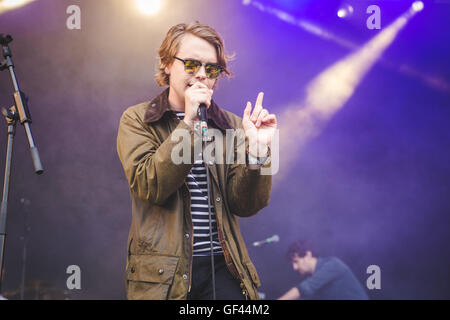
point(201, 73)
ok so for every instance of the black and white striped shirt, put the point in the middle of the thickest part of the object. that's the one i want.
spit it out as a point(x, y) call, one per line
point(196, 182)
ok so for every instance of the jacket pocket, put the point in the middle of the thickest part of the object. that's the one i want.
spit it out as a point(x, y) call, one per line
point(253, 274)
point(150, 276)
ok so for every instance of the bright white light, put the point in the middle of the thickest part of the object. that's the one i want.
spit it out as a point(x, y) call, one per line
point(341, 13)
point(12, 4)
point(149, 7)
point(345, 12)
point(246, 2)
point(417, 6)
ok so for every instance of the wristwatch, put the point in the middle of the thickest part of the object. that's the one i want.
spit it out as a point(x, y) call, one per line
point(254, 160)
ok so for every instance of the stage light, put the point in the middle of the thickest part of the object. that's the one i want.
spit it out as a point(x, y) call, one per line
point(345, 11)
point(246, 2)
point(13, 3)
point(328, 93)
point(341, 13)
point(6, 5)
point(149, 7)
point(417, 6)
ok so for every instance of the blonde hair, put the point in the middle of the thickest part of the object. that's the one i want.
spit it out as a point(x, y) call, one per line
point(171, 44)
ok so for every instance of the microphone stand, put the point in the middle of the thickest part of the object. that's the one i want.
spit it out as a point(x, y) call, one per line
point(202, 113)
point(27, 229)
point(17, 112)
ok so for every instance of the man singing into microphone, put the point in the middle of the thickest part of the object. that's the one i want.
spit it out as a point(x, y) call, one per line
point(169, 247)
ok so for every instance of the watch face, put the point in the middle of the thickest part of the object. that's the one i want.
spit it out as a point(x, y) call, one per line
point(251, 159)
point(262, 161)
point(258, 161)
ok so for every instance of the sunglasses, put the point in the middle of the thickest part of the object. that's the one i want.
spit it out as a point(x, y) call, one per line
point(191, 66)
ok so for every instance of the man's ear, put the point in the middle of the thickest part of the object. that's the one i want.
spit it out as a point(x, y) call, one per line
point(166, 70)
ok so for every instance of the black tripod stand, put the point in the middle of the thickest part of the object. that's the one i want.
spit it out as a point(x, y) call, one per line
point(18, 112)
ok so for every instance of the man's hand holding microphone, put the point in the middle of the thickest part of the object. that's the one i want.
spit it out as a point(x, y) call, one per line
point(195, 95)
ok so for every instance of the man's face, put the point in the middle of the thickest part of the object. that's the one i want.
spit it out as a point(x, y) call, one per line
point(303, 265)
point(191, 47)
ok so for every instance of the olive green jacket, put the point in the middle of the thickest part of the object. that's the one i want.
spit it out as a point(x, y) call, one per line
point(160, 242)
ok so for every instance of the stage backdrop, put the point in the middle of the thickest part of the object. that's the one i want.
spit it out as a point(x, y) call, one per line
point(371, 185)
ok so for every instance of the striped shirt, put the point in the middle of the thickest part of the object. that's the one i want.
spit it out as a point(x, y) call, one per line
point(196, 182)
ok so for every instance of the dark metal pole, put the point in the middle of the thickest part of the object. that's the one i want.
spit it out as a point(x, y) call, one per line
point(213, 269)
point(27, 228)
point(203, 116)
point(19, 112)
point(11, 118)
point(20, 102)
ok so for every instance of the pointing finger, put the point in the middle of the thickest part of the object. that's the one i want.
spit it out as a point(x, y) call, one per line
point(258, 106)
point(259, 99)
point(247, 110)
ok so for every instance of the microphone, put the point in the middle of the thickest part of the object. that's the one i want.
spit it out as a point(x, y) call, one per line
point(203, 116)
point(274, 238)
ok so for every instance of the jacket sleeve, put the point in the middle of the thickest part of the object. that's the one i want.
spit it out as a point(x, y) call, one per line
point(148, 166)
point(248, 191)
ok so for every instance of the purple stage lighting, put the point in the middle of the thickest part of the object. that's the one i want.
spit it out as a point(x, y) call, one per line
point(345, 11)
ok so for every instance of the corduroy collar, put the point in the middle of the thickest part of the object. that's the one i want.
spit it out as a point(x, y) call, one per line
point(159, 105)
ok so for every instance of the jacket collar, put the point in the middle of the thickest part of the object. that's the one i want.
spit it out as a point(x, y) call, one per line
point(160, 105)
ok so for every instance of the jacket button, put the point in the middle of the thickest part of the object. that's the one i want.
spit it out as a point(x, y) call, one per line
point(132, 270)
point(242, 285)
point(161, 271)
point(244, 292)
point(185, 276)
point(153, 105)
point(187, 235)
point(218, 199)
